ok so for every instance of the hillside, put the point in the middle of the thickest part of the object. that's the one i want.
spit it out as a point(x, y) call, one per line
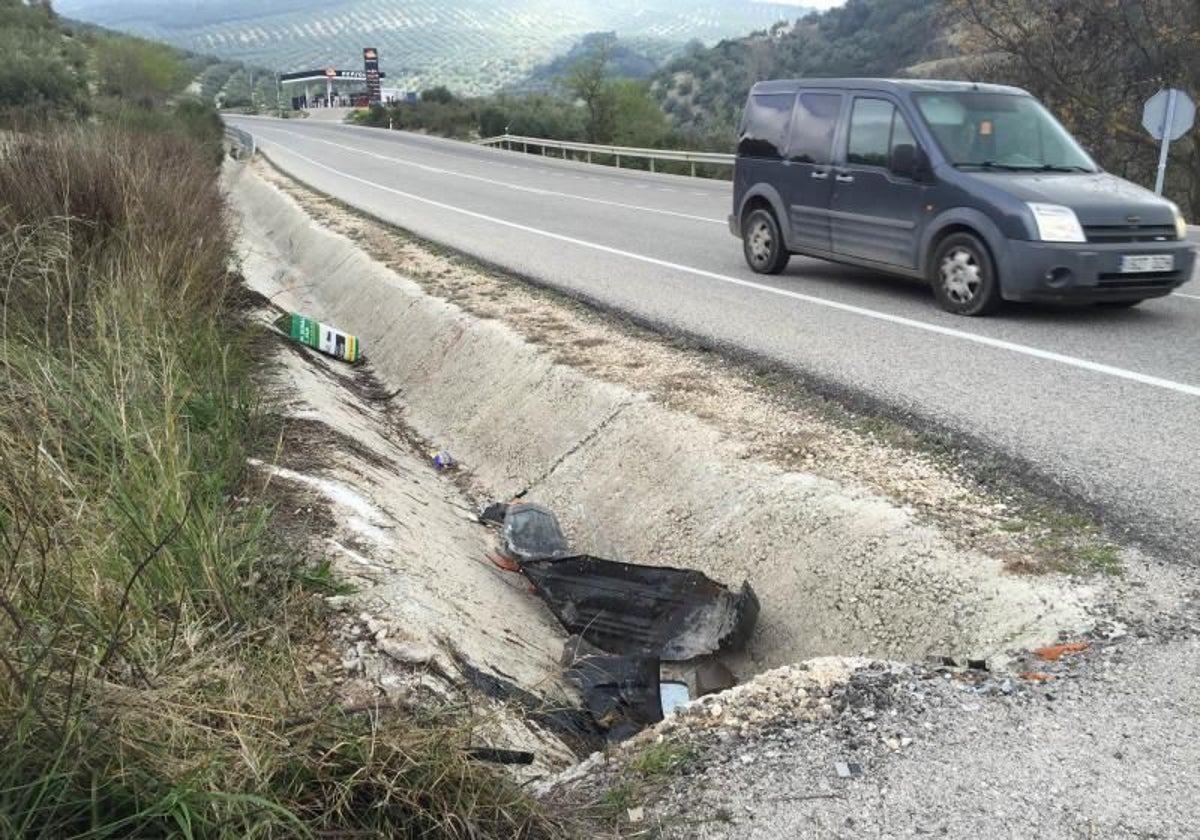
point(707, 87)
point(472, 46)
point(627, 59)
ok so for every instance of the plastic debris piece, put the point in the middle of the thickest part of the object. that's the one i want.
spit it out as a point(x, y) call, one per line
point(625, 608)
point(673, 695)
point(847, 769)
point(977, 664)
point(621, 693)
point(493, 755)
point(503, 562)
point(532, 532)
point(443, 460)
point(1053, 653)
point(1035, 676)
point(636, 815)
point(494, 513)
point(327, 339)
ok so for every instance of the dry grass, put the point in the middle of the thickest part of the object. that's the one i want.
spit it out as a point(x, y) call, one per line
point(153, 631)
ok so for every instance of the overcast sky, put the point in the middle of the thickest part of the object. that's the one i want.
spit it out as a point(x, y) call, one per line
point(812, 4)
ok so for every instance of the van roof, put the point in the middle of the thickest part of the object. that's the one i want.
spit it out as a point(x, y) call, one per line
point(889, 85)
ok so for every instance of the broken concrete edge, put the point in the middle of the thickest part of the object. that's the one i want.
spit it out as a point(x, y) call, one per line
point(770, 699)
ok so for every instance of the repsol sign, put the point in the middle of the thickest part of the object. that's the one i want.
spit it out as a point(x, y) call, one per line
point(327, 73)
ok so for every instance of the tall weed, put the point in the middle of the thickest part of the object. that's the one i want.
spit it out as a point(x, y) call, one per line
point(148, 620)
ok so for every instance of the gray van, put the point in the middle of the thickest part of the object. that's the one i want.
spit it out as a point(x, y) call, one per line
point(975, 188)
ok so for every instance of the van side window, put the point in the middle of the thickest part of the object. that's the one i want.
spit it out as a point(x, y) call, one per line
point(764, 128)
point(870, 132)
point(816, 119)
point(876, 127)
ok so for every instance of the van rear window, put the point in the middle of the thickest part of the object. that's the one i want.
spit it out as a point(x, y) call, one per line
point(765, 124)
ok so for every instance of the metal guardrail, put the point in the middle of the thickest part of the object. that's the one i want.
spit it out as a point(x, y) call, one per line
point(243, 138)
point(513, 141)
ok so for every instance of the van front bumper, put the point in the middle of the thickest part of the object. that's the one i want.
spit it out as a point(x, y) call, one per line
point(1090, 272)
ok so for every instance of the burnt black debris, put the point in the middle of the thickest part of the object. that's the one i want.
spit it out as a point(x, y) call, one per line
point(621, 692)
point(628, 609)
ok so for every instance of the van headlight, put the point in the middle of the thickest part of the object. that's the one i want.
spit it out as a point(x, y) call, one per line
point(1056, 223)
point(1181, 230)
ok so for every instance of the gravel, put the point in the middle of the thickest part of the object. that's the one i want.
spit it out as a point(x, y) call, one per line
point(1100, 743)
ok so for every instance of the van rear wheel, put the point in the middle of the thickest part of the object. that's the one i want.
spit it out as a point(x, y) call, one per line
point(762, 243)
point(964, 277)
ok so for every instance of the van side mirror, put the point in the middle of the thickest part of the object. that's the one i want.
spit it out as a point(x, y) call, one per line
point(908, 161)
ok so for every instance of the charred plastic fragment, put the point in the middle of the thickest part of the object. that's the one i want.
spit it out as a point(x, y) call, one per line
point(532, 532)
point(621, 692)
point(629, 609)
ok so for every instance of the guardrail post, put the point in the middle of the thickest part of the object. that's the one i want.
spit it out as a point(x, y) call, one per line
point(618, 161)
point(693, 169)
point(651, 164)
point(589, 156)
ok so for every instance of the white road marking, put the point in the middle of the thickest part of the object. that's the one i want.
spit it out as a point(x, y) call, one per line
point(506, 184)
point(950, 332)
point(1189, 297)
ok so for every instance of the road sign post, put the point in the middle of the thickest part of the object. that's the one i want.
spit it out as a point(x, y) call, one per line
point(1168, 115)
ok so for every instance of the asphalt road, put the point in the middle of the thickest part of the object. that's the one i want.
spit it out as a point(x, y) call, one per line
point(1103, 404)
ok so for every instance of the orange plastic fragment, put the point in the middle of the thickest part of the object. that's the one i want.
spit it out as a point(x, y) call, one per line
point(1053, 653)
point(1035, 676)
point(503, 562)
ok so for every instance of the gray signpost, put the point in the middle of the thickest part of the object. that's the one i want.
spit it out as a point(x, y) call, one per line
point(1168, 115)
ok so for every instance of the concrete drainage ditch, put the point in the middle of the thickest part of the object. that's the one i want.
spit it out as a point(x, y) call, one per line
point(837, 569)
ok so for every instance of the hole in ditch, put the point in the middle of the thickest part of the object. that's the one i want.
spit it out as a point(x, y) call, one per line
point(908, 598)
point(834, 574)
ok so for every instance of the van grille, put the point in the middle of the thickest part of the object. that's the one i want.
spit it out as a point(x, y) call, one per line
point(1139, 282)
point(1129, 233)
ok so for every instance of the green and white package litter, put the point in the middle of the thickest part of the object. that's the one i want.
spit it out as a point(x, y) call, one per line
point(323, 337)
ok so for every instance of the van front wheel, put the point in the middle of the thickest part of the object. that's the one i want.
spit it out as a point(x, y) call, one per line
point(964, 277)
point(762, 243)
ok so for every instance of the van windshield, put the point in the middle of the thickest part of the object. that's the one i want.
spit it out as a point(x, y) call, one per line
point(1000, 131)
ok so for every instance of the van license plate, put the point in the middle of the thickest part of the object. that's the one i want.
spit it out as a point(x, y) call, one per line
point(1141, 263)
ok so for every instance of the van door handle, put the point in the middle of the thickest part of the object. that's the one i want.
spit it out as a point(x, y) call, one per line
point(845, 178)
point(819, 176)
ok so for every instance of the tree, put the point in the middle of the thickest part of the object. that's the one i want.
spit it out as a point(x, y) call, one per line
point(1094, 64)
point(587, 80)
point(637, 119)
point(140, 72)
point(440, 94)
point(39, 69)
